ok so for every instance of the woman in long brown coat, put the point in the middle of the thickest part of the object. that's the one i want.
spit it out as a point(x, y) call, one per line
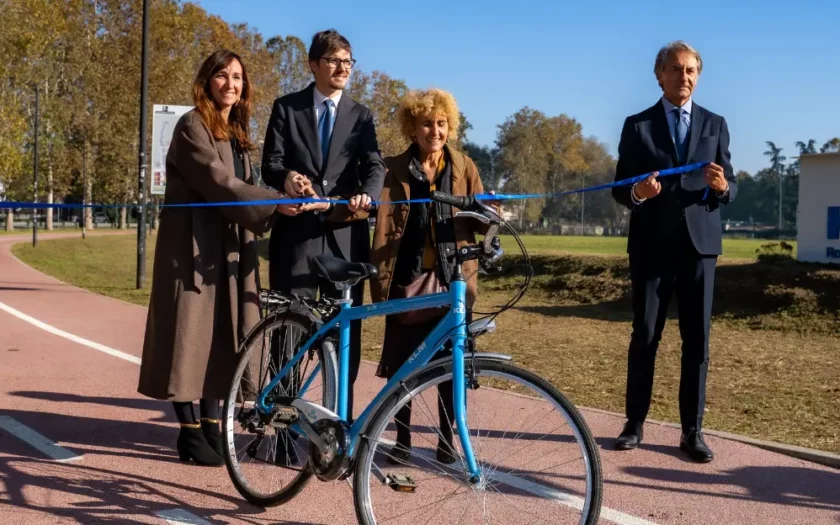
point(204, 290)
point(413, 244)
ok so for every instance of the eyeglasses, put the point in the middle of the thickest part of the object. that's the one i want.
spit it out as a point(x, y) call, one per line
point(334, 62)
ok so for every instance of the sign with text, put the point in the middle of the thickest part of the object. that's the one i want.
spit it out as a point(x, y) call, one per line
point(163, 123)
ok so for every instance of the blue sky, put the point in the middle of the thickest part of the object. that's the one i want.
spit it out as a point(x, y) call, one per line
point(771, 68)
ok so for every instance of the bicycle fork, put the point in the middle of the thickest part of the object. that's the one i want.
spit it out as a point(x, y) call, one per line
point(459, 387)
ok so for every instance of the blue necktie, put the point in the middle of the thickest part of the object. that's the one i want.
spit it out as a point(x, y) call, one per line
point(325, 126)
point(680, 132)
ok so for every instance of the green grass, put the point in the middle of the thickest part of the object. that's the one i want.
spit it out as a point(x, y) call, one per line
point(773, 372)
point(590, 245)
point(106, 264)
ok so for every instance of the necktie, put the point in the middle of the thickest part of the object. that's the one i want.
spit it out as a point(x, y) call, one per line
point(680, 133)
point(325, 126)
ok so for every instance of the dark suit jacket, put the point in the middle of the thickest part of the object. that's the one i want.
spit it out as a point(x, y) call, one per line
point(354, 165)
point(646, 145)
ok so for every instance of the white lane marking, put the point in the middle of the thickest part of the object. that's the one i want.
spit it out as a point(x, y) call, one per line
point(36, 440)
point(537, 489)
point(575, 502)
point(76, 339)
point(181, 517)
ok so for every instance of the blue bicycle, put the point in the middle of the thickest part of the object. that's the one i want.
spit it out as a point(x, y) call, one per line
point(523, 453)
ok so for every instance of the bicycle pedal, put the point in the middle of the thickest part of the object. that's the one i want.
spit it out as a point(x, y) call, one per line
point(285, 415)
point(401, 483)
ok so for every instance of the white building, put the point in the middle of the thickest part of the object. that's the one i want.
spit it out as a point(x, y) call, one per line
point(818, 215)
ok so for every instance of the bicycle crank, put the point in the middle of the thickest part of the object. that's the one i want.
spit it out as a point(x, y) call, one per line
point(330, 462)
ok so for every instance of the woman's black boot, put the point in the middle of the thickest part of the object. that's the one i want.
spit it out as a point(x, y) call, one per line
point(213, 434)
point(192, 445)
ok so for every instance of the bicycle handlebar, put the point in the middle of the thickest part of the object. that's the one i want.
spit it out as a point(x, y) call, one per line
point(470, 203)
point(466, 202)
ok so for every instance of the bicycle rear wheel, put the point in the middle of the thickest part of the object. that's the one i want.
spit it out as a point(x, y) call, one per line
point(538, 461)
point(268, 461)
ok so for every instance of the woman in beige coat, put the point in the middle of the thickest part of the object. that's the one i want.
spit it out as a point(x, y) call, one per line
point(204, 290)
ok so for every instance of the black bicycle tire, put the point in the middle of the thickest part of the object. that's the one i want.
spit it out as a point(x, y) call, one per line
point(294, 488)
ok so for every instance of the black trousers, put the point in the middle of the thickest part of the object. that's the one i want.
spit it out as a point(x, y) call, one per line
point(280, 280)
point(655, 277)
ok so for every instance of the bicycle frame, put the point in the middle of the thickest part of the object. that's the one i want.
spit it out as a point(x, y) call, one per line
point(452, 327)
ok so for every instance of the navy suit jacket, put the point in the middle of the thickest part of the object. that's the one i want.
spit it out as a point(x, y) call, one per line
point(353, 165)
point(646, 145)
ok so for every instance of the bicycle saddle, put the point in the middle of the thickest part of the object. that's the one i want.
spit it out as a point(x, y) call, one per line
point(338, 270)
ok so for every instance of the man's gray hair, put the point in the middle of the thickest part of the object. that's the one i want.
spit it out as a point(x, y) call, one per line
point(675, 47)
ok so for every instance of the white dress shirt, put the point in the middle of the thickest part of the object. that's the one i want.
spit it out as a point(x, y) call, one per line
point(319, 105)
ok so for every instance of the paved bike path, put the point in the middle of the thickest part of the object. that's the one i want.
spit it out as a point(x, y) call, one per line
point(68, 373)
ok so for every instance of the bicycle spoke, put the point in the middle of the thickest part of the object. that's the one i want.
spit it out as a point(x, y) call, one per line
point(546, 443)
point(271, 459)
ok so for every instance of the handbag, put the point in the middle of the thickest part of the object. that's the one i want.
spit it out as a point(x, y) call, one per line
point(424, 284)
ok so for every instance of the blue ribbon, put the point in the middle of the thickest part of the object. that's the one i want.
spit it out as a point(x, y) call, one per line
point(309, 200)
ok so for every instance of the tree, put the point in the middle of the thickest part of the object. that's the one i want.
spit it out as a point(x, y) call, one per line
point(831, 145)
point(804, 148)
point(566, 165)
point(599, 207)
point(382, 94)
point(290, 61)
point(466, 126)
point(485, 160)
point(524, 160)
point(777, 163)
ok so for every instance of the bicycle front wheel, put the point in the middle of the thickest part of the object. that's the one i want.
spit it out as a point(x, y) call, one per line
point(537, 459)
point(268, 461)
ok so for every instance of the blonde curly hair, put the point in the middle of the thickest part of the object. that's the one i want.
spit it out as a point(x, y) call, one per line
point(428, 102)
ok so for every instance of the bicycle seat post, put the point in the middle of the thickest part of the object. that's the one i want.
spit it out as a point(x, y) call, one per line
point(346, 293)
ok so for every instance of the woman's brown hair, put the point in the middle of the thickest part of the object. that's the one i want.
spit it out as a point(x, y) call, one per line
point(240, 114)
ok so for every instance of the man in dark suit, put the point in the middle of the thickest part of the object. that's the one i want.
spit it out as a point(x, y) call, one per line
point(320, 142)
point(675, 238)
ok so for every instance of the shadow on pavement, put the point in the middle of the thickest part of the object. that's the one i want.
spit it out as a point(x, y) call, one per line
point(101, 495)
point(790, 486)
point(608, 444)
point(79, 434)
point(106, 496)
point(163, 407)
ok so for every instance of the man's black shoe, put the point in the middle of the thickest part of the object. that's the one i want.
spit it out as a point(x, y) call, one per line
point(693, 444)
point(630, 437)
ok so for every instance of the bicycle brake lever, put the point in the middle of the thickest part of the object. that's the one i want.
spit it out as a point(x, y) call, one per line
point(474, 215)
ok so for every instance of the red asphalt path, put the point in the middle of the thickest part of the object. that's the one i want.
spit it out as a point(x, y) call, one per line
point(85, 401)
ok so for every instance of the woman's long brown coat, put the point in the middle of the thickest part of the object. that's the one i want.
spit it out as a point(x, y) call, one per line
point(204, 289)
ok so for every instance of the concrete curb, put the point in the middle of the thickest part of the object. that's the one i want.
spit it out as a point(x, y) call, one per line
point(808, 454)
